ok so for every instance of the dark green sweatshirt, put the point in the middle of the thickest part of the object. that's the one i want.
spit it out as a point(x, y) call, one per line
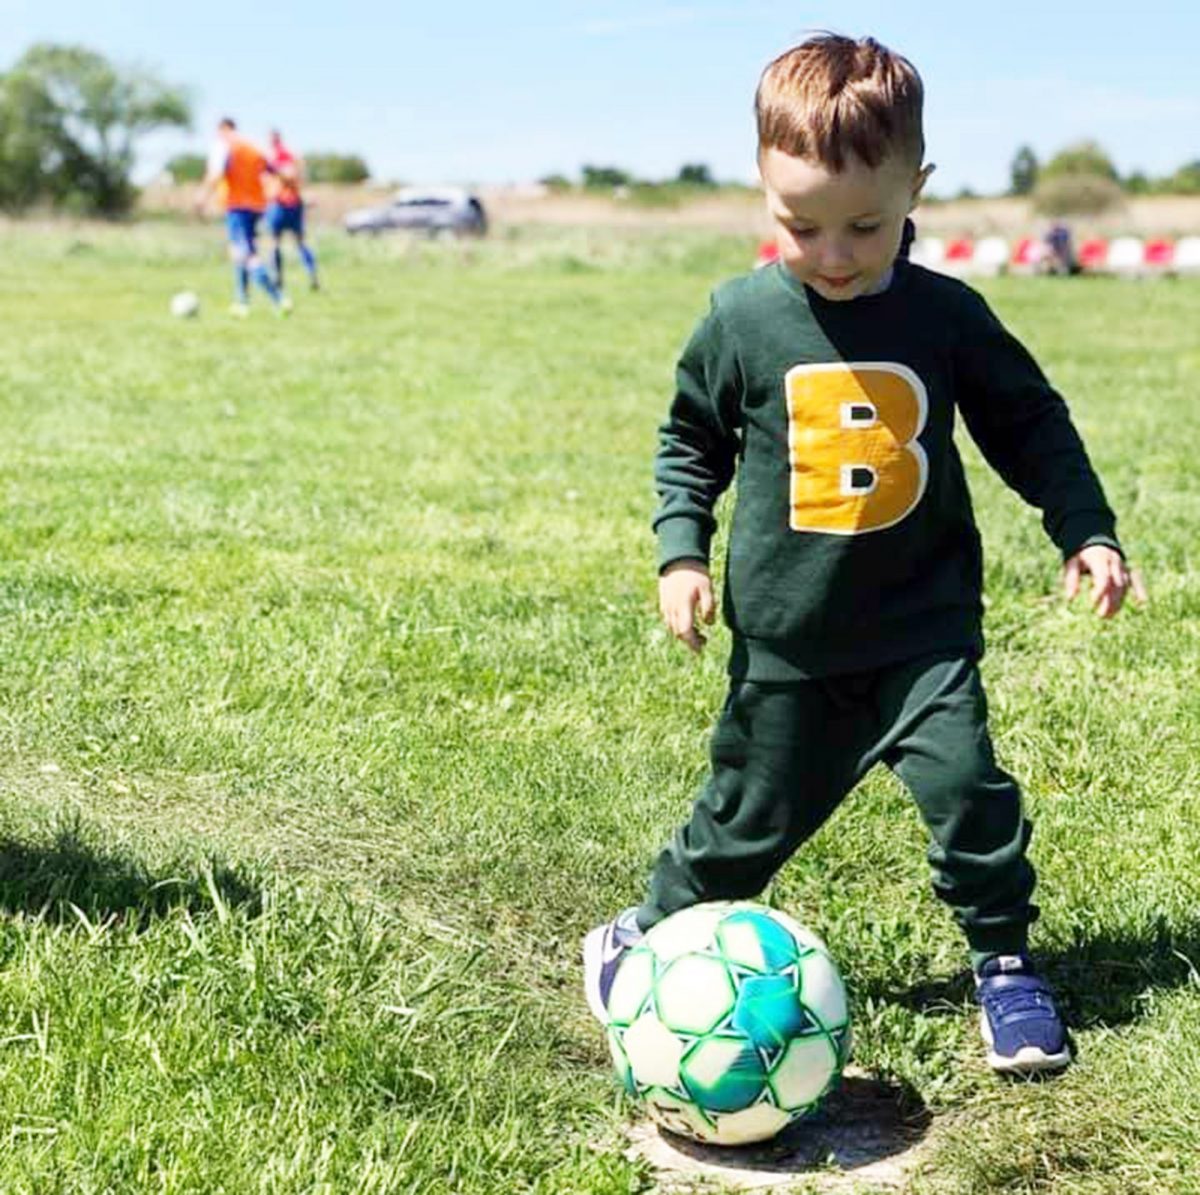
point(853, 542)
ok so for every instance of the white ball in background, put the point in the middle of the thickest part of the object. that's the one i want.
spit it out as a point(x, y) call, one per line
point(185, 304)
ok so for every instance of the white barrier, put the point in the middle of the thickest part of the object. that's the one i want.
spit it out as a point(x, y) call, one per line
point(991, 256)
point(929, 252)
point(1126, 255)
point(1187, 255)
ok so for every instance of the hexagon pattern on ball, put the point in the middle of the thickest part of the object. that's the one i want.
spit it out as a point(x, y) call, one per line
point(729, 1022)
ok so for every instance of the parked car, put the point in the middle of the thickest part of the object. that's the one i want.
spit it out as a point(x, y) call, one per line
point(434, 211)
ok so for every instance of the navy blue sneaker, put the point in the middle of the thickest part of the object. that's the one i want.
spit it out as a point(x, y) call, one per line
point(603, 950)
point(1018, 1019)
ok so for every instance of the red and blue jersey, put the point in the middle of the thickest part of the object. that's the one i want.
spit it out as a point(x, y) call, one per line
point(287, 170)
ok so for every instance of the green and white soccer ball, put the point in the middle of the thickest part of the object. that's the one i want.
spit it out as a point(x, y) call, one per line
point(728, 1020)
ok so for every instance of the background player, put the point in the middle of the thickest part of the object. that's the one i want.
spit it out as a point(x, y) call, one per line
point(286, 213)
point(237, 167)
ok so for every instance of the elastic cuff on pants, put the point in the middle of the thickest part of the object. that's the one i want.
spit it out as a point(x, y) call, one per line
point(988, 943)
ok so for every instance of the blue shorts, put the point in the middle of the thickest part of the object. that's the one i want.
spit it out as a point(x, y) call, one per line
point(242, 224)
point(283, 218)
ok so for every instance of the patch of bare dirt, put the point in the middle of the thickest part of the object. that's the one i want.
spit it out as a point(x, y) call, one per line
point(868, 1135)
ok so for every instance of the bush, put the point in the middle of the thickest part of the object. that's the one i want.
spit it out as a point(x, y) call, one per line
point(186, 168)
point(605, 176)
point(697, 174)
point(1185, 180)
point(335, 168)
point(1077, 195)
point(1138, 183)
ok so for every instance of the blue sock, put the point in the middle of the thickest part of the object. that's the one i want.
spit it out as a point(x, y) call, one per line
point(263, 278)
point(310, 262)
point(240, 278)
point(278, 266)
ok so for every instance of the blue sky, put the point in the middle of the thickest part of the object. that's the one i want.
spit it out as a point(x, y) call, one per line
point(458, 90)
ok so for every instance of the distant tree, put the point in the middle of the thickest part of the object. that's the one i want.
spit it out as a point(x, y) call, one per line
point(186, 168)
point(697, 174)
point(1077, 195)
point(1138, 183)
point(1084, 157)
point(556, 182)
point(605, 176)
point(28, 128)
point(1023, 171)
point(335, 168)
point(69, 124)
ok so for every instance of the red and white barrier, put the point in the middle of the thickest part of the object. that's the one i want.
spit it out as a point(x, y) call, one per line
point(1027, 256)
point(1127, 256)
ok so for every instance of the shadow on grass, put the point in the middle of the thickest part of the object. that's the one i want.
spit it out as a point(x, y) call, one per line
point(867, 1130)
point(1106, 979)
point(46, 879)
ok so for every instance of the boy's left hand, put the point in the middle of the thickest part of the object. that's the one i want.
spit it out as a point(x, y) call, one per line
point(1111, 578)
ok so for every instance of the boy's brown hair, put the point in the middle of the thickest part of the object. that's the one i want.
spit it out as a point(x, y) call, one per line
point(831, 97)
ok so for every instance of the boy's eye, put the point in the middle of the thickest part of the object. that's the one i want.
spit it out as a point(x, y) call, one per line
point(804, 234)
point(864, 230)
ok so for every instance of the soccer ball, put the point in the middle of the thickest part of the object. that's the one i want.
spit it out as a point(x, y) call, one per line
point(185, 304)
point(728, 1020)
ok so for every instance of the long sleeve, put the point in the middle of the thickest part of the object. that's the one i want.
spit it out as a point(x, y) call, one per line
point(1024, 430)
point(698, 444)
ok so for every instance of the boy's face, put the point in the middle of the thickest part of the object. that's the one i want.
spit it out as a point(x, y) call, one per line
point(839, 232)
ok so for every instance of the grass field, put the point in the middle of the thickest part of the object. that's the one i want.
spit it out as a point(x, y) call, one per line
point(334, 709)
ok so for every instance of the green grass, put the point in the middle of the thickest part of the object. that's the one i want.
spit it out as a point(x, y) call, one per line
point(334, 709)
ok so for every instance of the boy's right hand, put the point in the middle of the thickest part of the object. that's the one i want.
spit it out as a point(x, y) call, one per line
point(684, 587)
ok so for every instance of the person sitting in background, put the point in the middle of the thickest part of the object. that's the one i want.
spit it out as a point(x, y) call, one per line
point(1060, 252)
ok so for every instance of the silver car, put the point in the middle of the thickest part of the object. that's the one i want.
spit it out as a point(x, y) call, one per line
point(434, 211)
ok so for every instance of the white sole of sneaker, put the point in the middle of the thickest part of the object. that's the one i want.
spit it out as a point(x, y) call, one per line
point(593, 963)
point(1028, 1060)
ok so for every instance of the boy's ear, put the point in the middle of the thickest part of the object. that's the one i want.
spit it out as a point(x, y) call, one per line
point(919, 183)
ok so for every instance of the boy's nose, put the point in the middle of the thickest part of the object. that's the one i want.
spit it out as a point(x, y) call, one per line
point(837, 254)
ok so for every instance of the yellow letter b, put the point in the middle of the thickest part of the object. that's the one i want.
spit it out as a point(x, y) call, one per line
point(855, 462)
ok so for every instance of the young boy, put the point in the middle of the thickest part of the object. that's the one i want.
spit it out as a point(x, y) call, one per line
point(829, 383)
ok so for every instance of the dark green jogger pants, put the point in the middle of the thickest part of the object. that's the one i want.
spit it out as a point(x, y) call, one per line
point(785, 755)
